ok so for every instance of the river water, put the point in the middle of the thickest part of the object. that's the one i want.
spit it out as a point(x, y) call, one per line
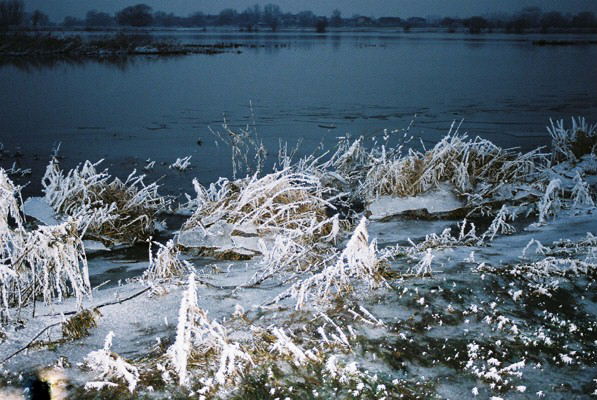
point(289, 86)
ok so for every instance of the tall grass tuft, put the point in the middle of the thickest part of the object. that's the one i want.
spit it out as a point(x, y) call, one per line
point(111, 211)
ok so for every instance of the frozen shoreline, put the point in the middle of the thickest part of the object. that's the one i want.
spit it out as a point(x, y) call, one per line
point(450, 313)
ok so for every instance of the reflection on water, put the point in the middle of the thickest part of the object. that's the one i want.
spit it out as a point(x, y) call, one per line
point(33, 64)
point(291, 85)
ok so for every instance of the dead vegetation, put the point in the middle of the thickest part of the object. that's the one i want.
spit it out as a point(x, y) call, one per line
point(283, 201)
point(166, 263)
point(475, 168)
point(77, 326)
point(570, 144)
point(358, 262)
point(108, 210)
point(47, 263)
point(290, 218)
point(109, 367)
point(240, 217)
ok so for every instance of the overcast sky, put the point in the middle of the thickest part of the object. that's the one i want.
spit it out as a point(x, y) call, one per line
point(58, 9)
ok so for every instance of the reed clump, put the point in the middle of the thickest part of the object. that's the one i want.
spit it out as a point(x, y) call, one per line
point(281, 202)
point(77, 326)
point(476, 168)
point(47, 263)
point(108, 210)
point(570, 144)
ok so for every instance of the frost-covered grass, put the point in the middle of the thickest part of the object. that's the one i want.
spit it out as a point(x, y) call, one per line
point(47, 263)
point(110, 366)
point(243, 143)
point(180, 164)
point(166, 263)
point(498, 305)
point(106, 209)
point(358, 261)
point(283, 203)
point(570, 144)
point(475, 167)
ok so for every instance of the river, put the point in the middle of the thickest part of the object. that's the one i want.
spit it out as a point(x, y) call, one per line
point(287, 86)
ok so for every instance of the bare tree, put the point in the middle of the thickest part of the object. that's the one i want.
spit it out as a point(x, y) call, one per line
point(306, 18)
point(38, 18)
point(250, 17)
point(11, 12)
point(138, 15)
point(271, 16)
point(475, 24)
point(321, 25)
point(227, 16)
point(96, 18)
point(336, 19)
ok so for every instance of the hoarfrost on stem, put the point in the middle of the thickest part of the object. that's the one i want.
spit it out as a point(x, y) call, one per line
point(197, 335)
point(357, 261)
point(181, 164)
point(166, 263)
point(111, 366)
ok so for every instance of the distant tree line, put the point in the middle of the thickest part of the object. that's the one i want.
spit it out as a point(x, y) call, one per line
point(12, 13)
point(528, 19)
point(271, 17)
point(268, 17)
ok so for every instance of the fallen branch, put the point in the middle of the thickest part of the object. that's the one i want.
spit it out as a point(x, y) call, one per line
point(70, 313)
point(110, 303)
point(30, 342)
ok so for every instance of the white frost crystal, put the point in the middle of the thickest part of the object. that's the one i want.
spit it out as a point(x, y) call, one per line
point(111, 366)
point(196, 334)
point(357, 261)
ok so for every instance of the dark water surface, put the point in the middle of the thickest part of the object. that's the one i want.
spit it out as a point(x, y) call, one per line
point(300, 85)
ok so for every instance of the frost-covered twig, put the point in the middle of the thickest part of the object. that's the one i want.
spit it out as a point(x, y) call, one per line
point(500, 224)
point(285, 346)
point(550, 203)
point(540, 249)
point(243, 142)
point(358, 261)
point(166, 263)
point(18, 171)
point(181, 164)
point(569, 144)
point(423, 268)
point(581, 195)
point(110, 365)
point(197, 335)
point(150, 165)
point(467, 236)
point(9, 203)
